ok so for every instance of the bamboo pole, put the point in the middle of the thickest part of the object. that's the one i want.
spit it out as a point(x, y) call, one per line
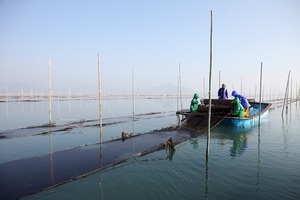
point(286, 92)
point(209, 93)
point(255, 92)
point(177, 93)
point(241, 85)
point(22, 94)
point(6, 97)
point(50, 94)
point(6, 94)
point(100, 124)
point(291, 97)
point(133, 106)
point(219, 78)
point(180, 91)
point(296, 93)
point(204, 93)
point(132, 93)
point(260, 85)
point(100, 99)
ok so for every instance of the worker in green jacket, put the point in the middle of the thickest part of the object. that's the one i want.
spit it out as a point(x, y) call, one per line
point(194, 103)
point(238, 109)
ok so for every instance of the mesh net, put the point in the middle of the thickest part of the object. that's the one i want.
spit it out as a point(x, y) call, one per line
point(198, 120)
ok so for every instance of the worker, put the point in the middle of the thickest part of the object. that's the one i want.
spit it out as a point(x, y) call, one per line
point(194, 103)
point(222, 93)
point(238, 109)
point(244, 102)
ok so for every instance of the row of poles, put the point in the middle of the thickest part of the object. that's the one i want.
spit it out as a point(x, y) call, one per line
point(209, 93)
point(210, 85)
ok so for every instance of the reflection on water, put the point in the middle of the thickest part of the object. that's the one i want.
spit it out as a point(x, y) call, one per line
point(240, 143)
point(258, 161)
point(51, 155)
point(238, 136)
point(286, 122)
point(101, 167)
point(169, 154)
point(206, 180)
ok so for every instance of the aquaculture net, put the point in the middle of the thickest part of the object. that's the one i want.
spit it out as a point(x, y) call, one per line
point(198, 120)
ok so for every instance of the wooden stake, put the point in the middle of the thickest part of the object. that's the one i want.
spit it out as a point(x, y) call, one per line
point(291, 92)
point(50, 94)
point(100, 99)
point(132, 93)
point(241, 85)
point(100, 123)
point(204, 92)
point(260, 86)
point(296, 93)
point(209, 93)
point(286, 93)
point(180, 91)
point(133, 111)
point(219, 78)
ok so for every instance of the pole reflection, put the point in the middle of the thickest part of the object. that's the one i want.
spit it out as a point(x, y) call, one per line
point(206, 180)
point(258, 161)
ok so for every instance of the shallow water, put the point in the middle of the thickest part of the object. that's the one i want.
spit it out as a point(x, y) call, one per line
point(258, 163)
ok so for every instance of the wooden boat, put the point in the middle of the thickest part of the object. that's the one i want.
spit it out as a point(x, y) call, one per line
point(219, 114)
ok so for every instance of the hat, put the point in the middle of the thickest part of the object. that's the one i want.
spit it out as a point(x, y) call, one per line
point(234, 93)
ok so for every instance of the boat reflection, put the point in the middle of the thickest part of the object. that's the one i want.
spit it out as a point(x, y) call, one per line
point(238, 135)
point(240, 143)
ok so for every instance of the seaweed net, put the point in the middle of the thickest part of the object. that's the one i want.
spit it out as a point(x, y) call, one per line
point(198, 120)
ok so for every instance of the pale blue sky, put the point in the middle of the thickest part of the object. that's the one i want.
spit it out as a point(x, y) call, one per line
point(150, 37)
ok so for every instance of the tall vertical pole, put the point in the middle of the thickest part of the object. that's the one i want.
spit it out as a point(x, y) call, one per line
point(6, 97)
point(132, 111)
point(241, 85)
point(260, 86)
point(100, 122)
point(180, 87)
point(177, 93)
point(100, 99)
point(204, 92)
point(286, 93)
point(296, 93)
point(132, 93)
point(50, 94)
point(219, 78)
point(291, 92)
point(255, 92)
point(209, 93)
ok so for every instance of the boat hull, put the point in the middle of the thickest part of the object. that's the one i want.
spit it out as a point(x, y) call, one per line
point(254, 118)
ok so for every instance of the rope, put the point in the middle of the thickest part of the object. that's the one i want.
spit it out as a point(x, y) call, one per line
point(115, 119)
point(61, 120)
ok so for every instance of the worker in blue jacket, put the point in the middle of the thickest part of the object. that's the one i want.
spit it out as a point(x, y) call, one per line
point(222, 92)
point(243, 101)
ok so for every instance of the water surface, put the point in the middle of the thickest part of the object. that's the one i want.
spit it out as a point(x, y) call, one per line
point(262, 162)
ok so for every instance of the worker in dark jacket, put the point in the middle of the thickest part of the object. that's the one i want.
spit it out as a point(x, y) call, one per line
point(243, 101)
point(194, 103)
point(222, 92)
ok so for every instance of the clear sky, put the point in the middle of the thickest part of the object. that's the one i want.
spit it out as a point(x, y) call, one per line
point(150, 37)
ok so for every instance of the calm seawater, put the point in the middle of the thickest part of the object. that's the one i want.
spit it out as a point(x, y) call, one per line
point(258, 163)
